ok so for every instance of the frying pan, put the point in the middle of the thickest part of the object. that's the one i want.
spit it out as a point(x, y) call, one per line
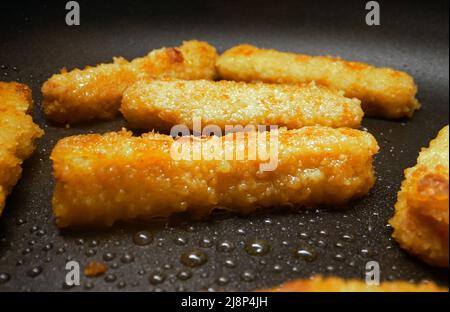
point(35, 42)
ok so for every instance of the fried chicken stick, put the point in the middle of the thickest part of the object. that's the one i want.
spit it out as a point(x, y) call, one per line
point(168, 103)
point(421, 213)
point(383, 92)
point(17, 134)
point(335, 284)
point(101, 179)
point(96, 92)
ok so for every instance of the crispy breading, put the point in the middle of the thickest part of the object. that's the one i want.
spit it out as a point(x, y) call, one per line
point(421, 213)
point(335, 284)
point(15, 96)
point(96, 92)
point(101, 179)
point(168, 103)
point(383, 91)
point(17, 134)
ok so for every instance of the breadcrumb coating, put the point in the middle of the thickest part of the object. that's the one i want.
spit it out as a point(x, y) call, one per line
point(168, 103)
point(15, 96)
point(17, 134)
point(383, 92)
point(101, 179)
point(421, 213)
point(335, 284)
point(96, 92)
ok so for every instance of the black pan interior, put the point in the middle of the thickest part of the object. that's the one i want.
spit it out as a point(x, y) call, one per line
point(35, 42)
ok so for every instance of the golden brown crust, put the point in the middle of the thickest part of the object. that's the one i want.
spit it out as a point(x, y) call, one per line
point(96, 92)
point(421, 212)
point(16, 96)
point(17, 134)
point(335, 284)
point(101, 179)
point(225, 103)
point(383, 91)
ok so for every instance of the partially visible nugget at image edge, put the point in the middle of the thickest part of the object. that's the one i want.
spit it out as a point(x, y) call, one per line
point(18, 133)
point(421, 213)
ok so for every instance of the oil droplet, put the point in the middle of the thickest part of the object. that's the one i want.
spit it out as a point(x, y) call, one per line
point(109, 256)
point(21, 221)
point(4, 277)
point(90, 252)
point(305, 253)
point(93, 243)
point(225, 246)
point(366, 252)
point(191, 229)
point(41, 233)
point(121, 285)
point(115, 265)
point(110, 278)
point(277, 268)
point(248, 276)
point(193, 258)
point(206, 242)
point(180, 241)
point(347, 237)
point(257, 247)
point(156, 278)
point(88, 285)
point(142, 238)
point(222, 280)
point(60, 250)
point(47, 247)
point(229, 263)
point(127, 258)
point(184, 275)
point(34, 271)
point(339, 257)
point(27, 251)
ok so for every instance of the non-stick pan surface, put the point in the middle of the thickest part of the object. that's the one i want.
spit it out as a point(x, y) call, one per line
point(35, 42)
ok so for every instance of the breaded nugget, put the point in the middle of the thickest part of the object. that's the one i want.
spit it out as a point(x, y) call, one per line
point(383, 92)
point(101, 179)
point(95, 92)
point(15, 96)
point(421, 213)
point(335, 284)
point(168, 103)
point(17, 134)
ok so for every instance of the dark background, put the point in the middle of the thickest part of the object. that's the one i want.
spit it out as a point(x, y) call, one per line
point(35, 42)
